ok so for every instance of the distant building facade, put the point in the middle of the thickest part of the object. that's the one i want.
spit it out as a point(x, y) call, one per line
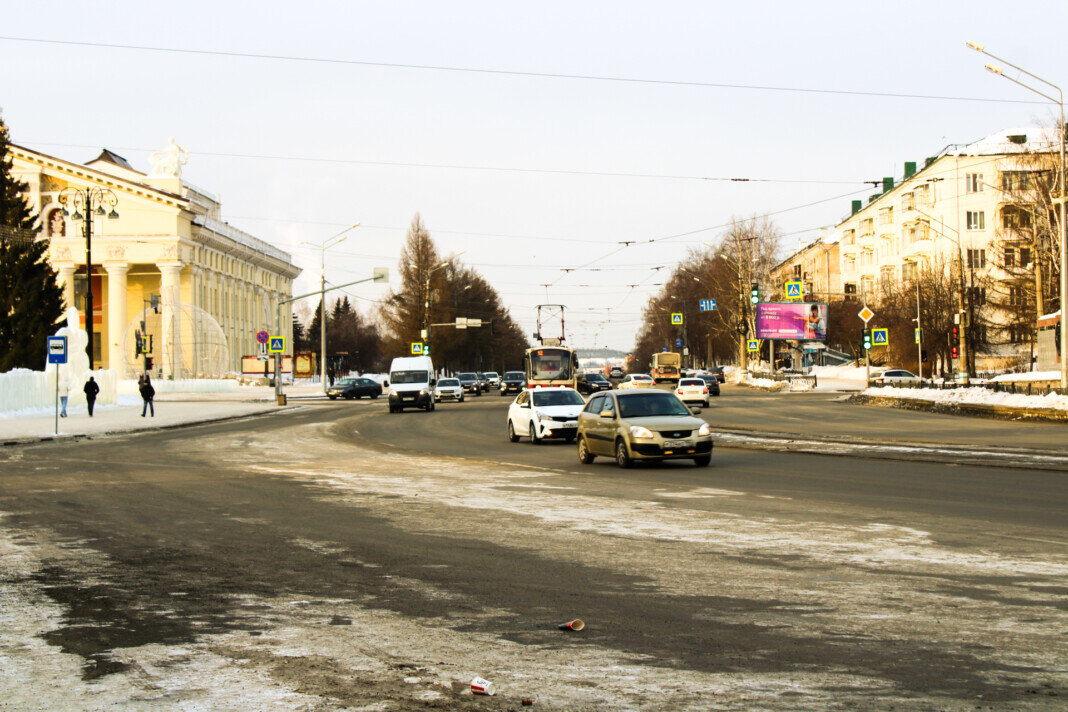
point(817, 266)
point(215, 285)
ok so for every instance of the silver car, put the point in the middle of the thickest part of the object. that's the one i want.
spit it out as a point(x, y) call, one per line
point(642, 425)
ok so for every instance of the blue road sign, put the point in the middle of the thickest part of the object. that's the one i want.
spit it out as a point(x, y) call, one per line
point(57, 349)
point(678, 342)
point(277, 345)
point(880, 337)
point(793, 290)
point(752, 345)
point(676, 319)
point(707, 305)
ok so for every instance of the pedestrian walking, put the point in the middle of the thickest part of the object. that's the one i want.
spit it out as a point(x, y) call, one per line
point(147, 394)
point(91, 389)
point(64, 394)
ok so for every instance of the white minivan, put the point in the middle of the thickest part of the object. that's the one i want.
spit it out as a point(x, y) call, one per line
point(411, 383)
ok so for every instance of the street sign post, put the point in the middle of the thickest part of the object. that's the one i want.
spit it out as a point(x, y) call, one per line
point(417, 348)
point(880, 337)
point(57, 354)
point(276, 345)
point(866, 314)
point(917, 336)
point(793, 290)
point(752, 345)
point(707, 305)
point(676, 319)
point(262, 337)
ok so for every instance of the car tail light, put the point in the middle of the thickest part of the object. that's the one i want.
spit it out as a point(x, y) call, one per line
point(705, 391)
point(679, 391)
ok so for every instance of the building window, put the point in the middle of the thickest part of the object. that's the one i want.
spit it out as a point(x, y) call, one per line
point(976, 259)
point(973, 183)
point(908, 271)
point(908, 201)
point(850, 291)
point(886, 274)
point(797, 271)
point(848, 237)
point(886, 216)
point(866, 285)
point(1016, 296)
point(976, 220)
point(977, 296)
point(1017, 180)
point(850, 265)
point(1015, 219)
point(923, 195)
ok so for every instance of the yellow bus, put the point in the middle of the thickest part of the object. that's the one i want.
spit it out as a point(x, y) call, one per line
point(665, 367)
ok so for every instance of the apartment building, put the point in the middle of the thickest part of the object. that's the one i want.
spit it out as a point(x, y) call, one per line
point(960, 210)
point(816, 265)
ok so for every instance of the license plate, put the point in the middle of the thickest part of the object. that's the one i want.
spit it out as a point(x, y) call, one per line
point(672, 444)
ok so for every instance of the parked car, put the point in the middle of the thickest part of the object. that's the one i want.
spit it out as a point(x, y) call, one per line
point(642, 425)
point(493, 379)
point(692, 390)
point(470, 383)
point(513, 382)
point(545, 413)
point(588, 383)
point(717, 371)
point(616, 372)
point(448, 389)
point(349, 388)
point(637, 380)
point(895, 376)
point(713, 384)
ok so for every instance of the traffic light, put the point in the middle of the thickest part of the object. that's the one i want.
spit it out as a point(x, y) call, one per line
point(139, 345)
point(148, 363)
point(954, 333)
point(867, 339)
point(754, 293)
point(954, 351)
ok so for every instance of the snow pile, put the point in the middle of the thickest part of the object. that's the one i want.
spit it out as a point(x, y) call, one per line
point(765, 383)
point(183, 385)
point(1033, 376)
point(973, 396)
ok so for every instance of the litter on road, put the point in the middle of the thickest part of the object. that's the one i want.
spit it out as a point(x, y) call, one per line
point(481, 686)
point(576, 624)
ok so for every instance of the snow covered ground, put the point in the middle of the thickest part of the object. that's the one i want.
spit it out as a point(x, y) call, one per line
point(973, 396)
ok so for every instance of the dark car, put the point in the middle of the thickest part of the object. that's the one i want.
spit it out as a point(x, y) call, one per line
point(483, 382)
point(713, 383)
point(349, 388)
point(616, 372)
point(470, 382)
point(513, 382)
point(588, 383)
point(717, 371)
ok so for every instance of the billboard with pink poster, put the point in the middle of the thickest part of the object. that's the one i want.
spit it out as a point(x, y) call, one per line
point(791, 321)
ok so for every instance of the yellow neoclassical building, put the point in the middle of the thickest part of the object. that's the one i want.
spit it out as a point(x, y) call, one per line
point(160, 240)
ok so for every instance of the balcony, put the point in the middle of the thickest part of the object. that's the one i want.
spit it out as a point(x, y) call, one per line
point(924, 246)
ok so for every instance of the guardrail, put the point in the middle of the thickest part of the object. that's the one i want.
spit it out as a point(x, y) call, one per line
point(1029, 388)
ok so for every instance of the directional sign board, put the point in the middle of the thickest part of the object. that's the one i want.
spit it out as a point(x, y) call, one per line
point(262, 337)
point(866, 314)
point(276, 345)
point(793, 290)
point(752, 345)
point(880, 337)
point(678, 342)
point(417, 348)
point(707, 304)
point(57, 349)
point(676, 318)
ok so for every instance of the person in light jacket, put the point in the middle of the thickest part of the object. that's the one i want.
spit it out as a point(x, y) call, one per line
point(147, 394)
point(64, 394)
point(91, 389)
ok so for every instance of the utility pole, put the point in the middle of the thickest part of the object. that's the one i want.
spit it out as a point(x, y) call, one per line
point(322, 247)
point(919, 333)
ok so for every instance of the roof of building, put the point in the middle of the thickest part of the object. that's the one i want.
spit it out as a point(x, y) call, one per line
point(112, 157)
point(1026, 139)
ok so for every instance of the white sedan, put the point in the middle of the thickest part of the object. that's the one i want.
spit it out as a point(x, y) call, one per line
point(542, 413)
point(637, 380)
point(692, 390)
point(449, 389)
point(895, 376)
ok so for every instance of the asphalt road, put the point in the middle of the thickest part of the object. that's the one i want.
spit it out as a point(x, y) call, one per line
point(331, 555)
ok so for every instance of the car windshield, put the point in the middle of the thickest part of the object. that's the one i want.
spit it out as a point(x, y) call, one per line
point(449, 382)
point(346, 381)
point(550, 364)
point(514, 376)
point(595, 377)
point(409, 377)
point(491, 374)
point(546, 398)
point(467, 376)
point(647, 405)
point(641, 377)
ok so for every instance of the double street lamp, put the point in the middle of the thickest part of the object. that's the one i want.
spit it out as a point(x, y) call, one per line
point(87, 203)
point(323, 247)
point(1059, 200)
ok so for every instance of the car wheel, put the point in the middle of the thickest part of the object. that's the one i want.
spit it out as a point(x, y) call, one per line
point(332, 397)
point(703, 460)
point(706, 403)
point(534, 439)
point(461, 400)
point(585, 456)
point(512, 437)
point(622, 455)
point(569, 439)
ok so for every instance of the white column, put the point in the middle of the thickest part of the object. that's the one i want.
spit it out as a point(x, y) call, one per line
point(66, 278)
point(170, 348)
point(116, 315)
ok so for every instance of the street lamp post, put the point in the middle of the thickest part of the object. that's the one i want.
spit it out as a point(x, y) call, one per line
point(1063, 251)
point(426, 296)
point(966, 315)
point(92, 202)
point(322, 247)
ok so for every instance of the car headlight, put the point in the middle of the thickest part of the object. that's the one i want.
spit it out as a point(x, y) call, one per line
point(640, 432)
point(422, 392)
point(705, 429)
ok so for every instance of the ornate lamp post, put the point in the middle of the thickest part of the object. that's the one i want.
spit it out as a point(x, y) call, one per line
point(87, 203)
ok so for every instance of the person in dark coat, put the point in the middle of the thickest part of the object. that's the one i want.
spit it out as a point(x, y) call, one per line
point(91, 389)
point(147, 394)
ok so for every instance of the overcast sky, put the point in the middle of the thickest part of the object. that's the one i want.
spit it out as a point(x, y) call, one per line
point(297, 149)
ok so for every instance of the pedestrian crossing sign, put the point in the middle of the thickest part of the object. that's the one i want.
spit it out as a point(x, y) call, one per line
point(880, 337)
point(676, 319)
point(752, 345)
point(793, 290)
point(277, 345)
point(417, 348)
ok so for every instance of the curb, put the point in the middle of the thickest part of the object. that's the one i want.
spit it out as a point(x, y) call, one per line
point(982, 410)
point(112, 433)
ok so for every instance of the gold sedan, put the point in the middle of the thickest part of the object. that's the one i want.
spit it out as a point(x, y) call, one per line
point(642, 425)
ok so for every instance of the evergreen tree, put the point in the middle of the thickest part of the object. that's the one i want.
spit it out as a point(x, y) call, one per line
point(30, 299)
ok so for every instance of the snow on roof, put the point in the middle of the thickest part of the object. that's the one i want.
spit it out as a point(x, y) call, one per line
point(1027, 139)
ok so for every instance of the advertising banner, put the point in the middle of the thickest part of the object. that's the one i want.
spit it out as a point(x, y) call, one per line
point(791, 321)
